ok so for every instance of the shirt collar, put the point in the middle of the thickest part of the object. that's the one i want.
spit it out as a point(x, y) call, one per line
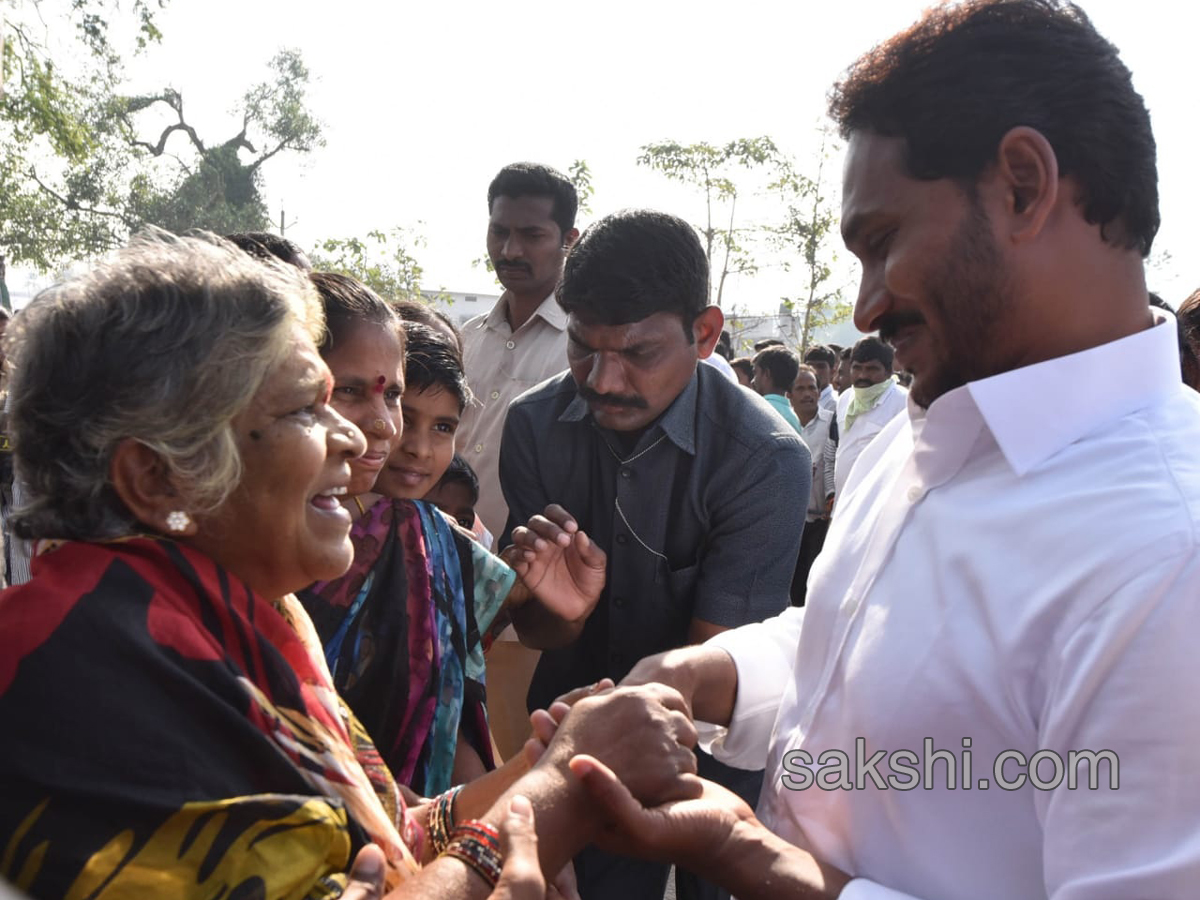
point(678, 422)
point(548, 310)
point(1036, 411)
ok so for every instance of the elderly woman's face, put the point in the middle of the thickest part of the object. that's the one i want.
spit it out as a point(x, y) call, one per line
point(284, 526)
point(367, 363)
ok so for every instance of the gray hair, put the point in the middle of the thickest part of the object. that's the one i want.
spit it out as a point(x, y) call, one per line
point(164, 344)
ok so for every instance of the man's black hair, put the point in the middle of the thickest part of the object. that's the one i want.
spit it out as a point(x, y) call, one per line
point(822, 354)
point(743, 364)
point(963, 76)
point(527, 179)
point(633, 264)
point(432, 360)
point(781, 364)
point(872, 349)
point(767, 342)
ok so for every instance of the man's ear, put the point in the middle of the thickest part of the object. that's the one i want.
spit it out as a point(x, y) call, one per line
point(570, 238)
point(706, 330)
point(143, 484)
point(1028, 172)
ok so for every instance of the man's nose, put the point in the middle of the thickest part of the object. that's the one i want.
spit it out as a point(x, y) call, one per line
point(607, 375)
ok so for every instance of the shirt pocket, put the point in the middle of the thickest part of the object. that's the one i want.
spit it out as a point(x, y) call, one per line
point(681, 584)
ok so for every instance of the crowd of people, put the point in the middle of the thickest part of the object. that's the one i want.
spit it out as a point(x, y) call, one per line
point(314, 594)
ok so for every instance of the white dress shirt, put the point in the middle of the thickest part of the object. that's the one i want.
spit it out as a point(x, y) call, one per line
point(500, 365)
point(1018, 566)
point(828, 399)
point(815, 435)
point(853, 440)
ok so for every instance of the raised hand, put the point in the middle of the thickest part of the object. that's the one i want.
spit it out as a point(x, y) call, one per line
point(559, 564)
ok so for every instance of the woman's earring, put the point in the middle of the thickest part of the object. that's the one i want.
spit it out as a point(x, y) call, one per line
point(178, 521)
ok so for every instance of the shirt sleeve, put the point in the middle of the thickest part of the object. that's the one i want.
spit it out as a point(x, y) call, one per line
point(753, 539)
point(764, 654)
point(1125, 680)
point(520, 479)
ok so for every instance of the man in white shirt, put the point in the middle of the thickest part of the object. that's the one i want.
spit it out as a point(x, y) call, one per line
point(819, 432)
point(1014, 571)
point(873, 400)
point(520, 343)
point(824, 363)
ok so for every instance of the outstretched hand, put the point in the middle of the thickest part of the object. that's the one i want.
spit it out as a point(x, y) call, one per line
point(559, 564)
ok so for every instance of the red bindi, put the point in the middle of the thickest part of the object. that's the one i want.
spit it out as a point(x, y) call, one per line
point(379, 383)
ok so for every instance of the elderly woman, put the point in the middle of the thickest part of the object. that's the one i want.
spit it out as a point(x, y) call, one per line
point(170, 728)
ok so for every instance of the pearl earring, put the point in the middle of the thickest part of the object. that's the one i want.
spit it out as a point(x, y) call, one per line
point(178, 521)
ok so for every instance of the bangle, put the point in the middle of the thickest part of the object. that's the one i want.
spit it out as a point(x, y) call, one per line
point(477, 845)
point(441, 820)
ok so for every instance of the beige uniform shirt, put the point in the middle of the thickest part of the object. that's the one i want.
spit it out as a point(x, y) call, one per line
point(501, 365)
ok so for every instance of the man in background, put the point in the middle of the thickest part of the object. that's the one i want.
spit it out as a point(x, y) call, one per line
point(522, 341)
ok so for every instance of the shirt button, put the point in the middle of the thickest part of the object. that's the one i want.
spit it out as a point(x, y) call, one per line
point(626, 473)
point(914, 494)
point(619, 602)
point(479, 448)
point(622, 539)
point(495, 395)
point(510, 344)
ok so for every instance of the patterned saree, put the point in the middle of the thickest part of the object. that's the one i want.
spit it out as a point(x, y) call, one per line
point(402, 636)
point(165, 732)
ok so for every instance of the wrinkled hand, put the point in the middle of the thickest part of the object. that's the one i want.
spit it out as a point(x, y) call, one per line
point(559, 564)
point(366, 875)
point(545, 722)
point(690, 832)
point(521, 877)
point(644, 734)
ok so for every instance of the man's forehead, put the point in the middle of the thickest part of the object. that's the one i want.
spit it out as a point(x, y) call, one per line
point(874, 171)
point(520, 212)
point(651, 328)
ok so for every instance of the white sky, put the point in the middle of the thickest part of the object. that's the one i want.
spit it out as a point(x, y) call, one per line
point(423, 102)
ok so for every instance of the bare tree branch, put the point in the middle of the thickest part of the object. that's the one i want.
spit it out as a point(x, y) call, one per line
point(75, 205)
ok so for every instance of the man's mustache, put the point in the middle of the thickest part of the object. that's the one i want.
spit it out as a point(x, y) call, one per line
point(893, 322)
point(508, 264)
point(592, 396)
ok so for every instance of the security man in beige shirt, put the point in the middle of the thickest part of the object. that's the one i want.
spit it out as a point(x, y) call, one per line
point(519, 344)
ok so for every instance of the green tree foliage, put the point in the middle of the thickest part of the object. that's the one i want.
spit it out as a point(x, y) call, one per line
point(384, 262)
point(581, 176)
point(806, 236)
point(712, 169)
point(83, 164)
